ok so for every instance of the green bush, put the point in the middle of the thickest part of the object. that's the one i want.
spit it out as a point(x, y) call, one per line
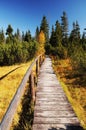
point(79, 58)
point(17, 52)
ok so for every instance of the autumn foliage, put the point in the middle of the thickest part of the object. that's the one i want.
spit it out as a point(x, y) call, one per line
point(41, 41)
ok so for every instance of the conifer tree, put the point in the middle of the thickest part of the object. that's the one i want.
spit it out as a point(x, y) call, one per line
point(83, 40)
point(37, 33)
point(64, 25)
point(56, 35)
point(2, 37)
point(27, 36)
point(45, 28)
point(75, 33)
point(77, 30)
point(17, 35)
point(58, 32)
point(53, 37)
point(9, 30)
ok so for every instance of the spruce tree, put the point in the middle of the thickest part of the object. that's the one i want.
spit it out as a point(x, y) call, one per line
point(64, 25)
point(56, 35)
point(45, 28)
point(27, 36)
point(58, 32)
point(75, 33)
point(53, 37)
point(37, 33)
point(9, 30)
point(17, 35)
point(83, 41)
point(2, 37)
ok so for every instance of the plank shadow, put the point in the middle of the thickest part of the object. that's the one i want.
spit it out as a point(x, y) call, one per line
point(68, 127)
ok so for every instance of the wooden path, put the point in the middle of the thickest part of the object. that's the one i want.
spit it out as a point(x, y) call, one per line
point(52, 109)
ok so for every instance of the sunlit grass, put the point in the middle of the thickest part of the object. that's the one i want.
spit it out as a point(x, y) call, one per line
point(9, 84)
point(76, 93)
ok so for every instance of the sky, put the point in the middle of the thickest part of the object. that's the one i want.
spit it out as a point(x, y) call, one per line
point(27, 14)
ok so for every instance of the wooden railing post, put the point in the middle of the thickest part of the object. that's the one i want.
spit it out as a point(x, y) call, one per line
point(40, 61)
point(37, 67)
point(32, 86)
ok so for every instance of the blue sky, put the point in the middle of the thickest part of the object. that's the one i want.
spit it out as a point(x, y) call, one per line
point(27, 14)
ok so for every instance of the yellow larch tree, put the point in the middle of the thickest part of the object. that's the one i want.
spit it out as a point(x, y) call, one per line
point(41, 40)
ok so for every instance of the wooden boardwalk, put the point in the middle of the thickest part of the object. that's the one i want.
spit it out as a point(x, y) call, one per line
point(52, 108)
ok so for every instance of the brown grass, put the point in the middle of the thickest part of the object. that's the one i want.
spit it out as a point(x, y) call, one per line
point(9, 84)
point(74, 84)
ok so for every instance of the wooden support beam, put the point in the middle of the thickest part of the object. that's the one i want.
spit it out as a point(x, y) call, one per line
point(32, 86)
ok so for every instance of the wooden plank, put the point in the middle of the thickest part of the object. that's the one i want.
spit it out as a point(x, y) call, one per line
point(51, 102)
point(54, 114)
point(62, 107)
point(58, 120)
point(41, 95)
point(61, 99)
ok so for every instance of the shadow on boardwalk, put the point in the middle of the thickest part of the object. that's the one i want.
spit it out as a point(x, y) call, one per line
point(69, 127)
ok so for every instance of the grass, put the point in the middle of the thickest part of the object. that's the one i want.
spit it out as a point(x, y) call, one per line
point(10, 83)
point(73, 86)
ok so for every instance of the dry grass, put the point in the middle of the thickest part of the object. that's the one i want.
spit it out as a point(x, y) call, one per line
point(9, 84)
point(74, 88)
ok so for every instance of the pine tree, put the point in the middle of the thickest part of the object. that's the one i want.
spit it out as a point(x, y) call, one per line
point(45, 28)
point(17, 35)
point(64, 25)
point(56, 35)
point(2, 37)
point(83, 41)
point(9, 30)
point(75, 33)
point(77, 30)
point(27, 36)
point(37, 33)
point(53, 37)
point(58, 32)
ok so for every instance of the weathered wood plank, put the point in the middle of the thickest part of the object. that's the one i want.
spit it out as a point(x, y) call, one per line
point(58, 107)
point(54, 114)
point(51, 99)
point(41, 95)
point(62, 120)
point(51, 102)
